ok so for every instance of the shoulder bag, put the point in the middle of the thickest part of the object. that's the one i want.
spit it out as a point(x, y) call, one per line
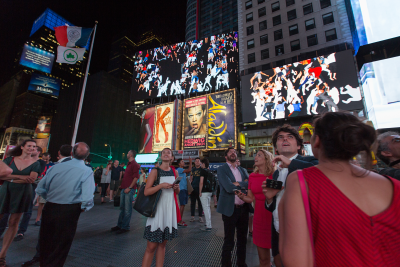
point(306, 208)
point(146, 205)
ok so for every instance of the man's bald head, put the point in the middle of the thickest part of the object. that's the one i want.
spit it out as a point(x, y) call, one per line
point(80, 151)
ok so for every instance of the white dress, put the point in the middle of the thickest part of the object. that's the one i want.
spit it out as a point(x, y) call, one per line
point(163, 226)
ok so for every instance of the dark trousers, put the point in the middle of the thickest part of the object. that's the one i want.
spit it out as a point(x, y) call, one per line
point(193, 197)
point(57, 231)
point(104, 187)
point(239, 221)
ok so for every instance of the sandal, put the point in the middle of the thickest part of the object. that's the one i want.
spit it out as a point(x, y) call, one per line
point(3, 262)
point(192, 220)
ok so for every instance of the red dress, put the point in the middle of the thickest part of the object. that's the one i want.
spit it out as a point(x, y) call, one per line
point(343, 234)
point(262, 218)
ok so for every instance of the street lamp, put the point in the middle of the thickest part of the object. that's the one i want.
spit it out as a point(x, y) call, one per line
point(110, 156)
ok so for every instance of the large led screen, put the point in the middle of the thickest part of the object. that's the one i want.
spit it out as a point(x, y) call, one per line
point(44, 84)
point(37, 59)
point(146, 131)
point(186, 68)
point(381, 94)
point(209, 122)
point(163, 127)
point(313, 86)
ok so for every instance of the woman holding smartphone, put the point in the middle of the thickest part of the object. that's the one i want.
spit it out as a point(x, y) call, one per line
point(263, 169)
point(164, 225)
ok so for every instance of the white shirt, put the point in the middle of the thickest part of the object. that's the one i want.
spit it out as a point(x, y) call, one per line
point(283, 173)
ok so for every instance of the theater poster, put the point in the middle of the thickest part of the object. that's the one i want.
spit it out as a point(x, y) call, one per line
point(163, 127)
point(221, 120)
point(43, 127)
point(195, 123)
point(146, 130)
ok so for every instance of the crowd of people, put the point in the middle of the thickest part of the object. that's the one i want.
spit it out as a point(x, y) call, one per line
point(319, 210)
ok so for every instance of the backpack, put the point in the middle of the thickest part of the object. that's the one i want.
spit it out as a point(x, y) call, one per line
point(210, 181)
point(97, 175)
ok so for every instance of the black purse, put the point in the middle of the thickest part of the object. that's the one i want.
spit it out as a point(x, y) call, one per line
point(147, 205)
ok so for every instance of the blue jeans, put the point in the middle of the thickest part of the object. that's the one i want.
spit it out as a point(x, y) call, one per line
point(126, 209)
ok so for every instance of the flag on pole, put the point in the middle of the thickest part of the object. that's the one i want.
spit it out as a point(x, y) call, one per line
point(69, 55)
point(72, 36)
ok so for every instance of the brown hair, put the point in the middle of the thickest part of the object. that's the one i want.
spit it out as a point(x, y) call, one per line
point(17, 151)
point(288, 129)
point(343, 136)
point(269, 166)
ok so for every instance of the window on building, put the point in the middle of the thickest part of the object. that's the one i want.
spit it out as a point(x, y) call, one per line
point(264, 39)
point(327, 18)
point(261, 1)
point(330, 35)
point(325, 3)
point(294, 29)
point(250, 30)
point(249, 17)
point(226, 17)
point(215, 21)
point(291, 14)
point(216, 28)
point(278, 35)
point(249, 4)
point(216, 12)
point(263, 25)
point(275, 6)
point(289, 2)
point(250, 44)
point(279, 50)
point(312, 40)
point(251, 58)
point(206, 17)
point(295, 45)
point(226, 24)
point(276, 20)
point(307, 9)
point(310, 24)
point(265, 53)
point(262, 12)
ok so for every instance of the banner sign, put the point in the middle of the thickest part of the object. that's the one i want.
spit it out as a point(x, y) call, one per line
point(37, 59)
point(44, 84)
point(163, 127)
point(195, 123)
point(186, 154)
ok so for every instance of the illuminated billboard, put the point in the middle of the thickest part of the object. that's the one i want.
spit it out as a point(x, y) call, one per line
point(37, 59)
point(43, 127)
point(44, 84)
point(313, 86)
point(209, 122)
point(375, 20)
point(382, 98)
point(163, 128)
point(187, 68)
point(146, 131)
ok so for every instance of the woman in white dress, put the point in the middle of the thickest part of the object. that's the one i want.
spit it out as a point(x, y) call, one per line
point(164, 225)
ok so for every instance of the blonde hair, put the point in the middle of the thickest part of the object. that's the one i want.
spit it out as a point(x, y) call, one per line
point(269, 166)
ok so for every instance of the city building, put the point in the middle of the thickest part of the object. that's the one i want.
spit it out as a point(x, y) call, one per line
point(104, 118)
point(277, 32)
point(210, 17)
point(122, 53)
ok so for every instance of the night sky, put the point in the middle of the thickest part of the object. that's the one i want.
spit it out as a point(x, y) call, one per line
point(167, 18)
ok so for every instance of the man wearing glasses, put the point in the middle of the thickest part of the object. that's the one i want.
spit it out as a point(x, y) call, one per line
point(389, 153)
point(288, 144)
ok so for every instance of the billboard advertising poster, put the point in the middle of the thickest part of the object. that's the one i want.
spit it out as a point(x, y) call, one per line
point(43, 127)
point(163, 127)
point(381, 96)
point(195, 123)
point(146, 131)
point(313, 86)
point(221, 120)
point(43, 143)
point(197, 66)
point(45, 85)
point(37, 59)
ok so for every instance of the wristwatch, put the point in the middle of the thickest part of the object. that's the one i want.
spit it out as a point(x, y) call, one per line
point(130, 188)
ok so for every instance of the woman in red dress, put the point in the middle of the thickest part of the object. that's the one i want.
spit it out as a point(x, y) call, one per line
point(263, 169)
point(354, 212)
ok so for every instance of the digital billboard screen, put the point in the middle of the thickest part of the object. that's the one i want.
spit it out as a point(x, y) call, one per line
point(43, 127)
point(313, 86)
point(37, 59)
point(186, 68)
point(44, 84)
point(381, 96)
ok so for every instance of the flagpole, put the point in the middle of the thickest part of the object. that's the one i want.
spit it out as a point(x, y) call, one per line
point(78, 115)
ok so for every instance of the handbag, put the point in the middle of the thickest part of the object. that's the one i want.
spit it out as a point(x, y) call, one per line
point(189, 186)
point(147, 205)
point(306, 208)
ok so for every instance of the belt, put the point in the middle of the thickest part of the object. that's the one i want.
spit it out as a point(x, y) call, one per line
point(239, 206)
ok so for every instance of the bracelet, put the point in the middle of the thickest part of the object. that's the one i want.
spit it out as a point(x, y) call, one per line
point(12, 180)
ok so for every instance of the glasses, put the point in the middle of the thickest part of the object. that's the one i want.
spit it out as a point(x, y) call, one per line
point(281, 137)
point(396, 139)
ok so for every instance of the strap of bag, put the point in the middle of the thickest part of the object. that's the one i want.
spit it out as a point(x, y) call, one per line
point(157, 181)
point(12, 160)
point(306, 207)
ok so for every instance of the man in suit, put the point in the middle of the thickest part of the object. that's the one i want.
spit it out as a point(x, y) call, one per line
point(235, 213)
point(288, 144)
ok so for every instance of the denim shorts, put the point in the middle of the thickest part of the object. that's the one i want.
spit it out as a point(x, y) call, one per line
point(183, 197)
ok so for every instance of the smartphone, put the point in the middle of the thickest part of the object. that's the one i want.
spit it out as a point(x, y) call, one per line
point(177, 180)
point(274, 184)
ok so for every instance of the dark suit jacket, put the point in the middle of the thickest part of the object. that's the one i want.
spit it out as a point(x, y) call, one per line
point(298, 163)
point(226, 201)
